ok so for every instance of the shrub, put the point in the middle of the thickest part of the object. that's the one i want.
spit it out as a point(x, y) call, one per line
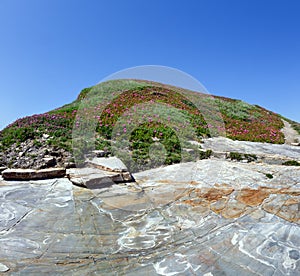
point(235, 156)
point(291, 163)
point(205, 154)
point(268, 175)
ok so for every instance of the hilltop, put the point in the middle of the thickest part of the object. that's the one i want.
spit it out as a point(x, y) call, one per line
point(47, 140)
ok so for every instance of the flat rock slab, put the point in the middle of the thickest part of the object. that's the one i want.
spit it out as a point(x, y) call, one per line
point(94, 178)
point(111, 164)
point(221, 144)
point(28, 174)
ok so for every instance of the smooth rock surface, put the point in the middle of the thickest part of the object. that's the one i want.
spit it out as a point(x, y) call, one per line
point(222, 144)
point(28, 174)
point(211, 217)
point(3, 268)
point(112, 164)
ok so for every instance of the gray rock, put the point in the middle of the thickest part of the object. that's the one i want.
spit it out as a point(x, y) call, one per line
point(93, 178)
point(28, 174)
point(69, 165)
point(295, 144)
point(46, 136)
point(100, 153)
point(262, 150)
point(49, 162)
point(3, 268)
point(112, 164)
point(210, 217)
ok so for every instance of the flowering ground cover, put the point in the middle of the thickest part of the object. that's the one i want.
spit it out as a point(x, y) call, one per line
point(148, 112)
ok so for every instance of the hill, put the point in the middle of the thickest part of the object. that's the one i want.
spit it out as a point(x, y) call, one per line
point(144, 111)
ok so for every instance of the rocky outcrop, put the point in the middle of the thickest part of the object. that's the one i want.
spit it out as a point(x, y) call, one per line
point(265, 151)
point(28, 174)
point(36, 155)
point(204, 218)
point(211, 217)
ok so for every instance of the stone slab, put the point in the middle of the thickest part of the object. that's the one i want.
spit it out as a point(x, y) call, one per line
point(28, 174)
point(112, 164)
point(93, 178)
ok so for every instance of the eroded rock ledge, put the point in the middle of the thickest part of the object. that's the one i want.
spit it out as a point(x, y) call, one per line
point(28, 174)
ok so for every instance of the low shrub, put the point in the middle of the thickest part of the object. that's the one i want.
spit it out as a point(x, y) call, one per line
point(291, 163)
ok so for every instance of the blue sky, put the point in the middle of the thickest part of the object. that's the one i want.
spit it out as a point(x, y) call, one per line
point(51, 49)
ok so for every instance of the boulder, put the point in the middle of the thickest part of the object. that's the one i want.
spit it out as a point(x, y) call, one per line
point(49, 161)
point(93, 178)
point(3, 268)
point(29, 174)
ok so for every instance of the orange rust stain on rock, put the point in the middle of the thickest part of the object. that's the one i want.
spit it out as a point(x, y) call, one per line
point(289, 191)
point(253, 197)
point(291, 201)
point(214, 194)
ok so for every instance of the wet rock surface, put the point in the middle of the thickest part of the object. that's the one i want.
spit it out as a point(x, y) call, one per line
point(211, 217)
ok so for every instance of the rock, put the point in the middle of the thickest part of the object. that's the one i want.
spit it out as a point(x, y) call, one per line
point(69, 165)
point(111, 164)
point(195, 143)
point(100, 153)
point(55, 153)
point(3, 268)
point(210, 217)
point(2, 169)
point(295, 144)
point(49, 162)
point(188, 150)
point(29, 174)
point(93, 178)
point(46, 136)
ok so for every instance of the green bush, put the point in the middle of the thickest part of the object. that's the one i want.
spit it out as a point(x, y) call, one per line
point(235, 156)
point(291, 163)
point(268, 175)
point(205, 154)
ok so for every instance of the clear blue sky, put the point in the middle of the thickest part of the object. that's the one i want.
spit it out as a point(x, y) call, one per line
point(51, 49)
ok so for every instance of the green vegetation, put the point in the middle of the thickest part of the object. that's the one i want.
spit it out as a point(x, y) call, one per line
point(268, 175)
point(205, 154)
point(240, 156)
point(235, 156)
point(291, 163)
point(151, 114)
